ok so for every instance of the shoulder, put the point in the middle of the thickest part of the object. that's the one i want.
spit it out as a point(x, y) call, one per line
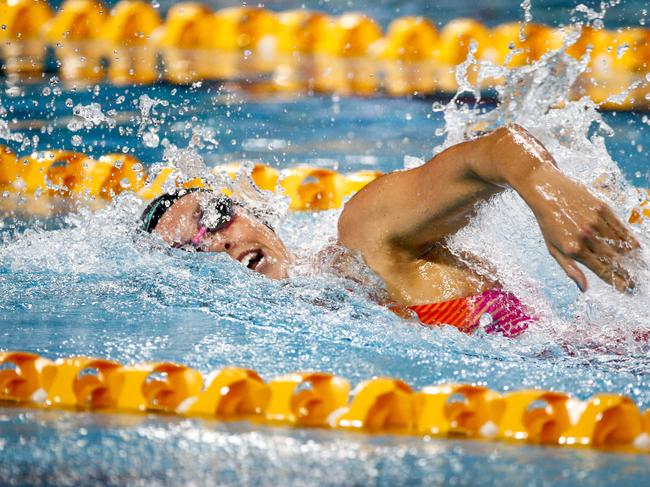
point(365, 218)
point(355, 220)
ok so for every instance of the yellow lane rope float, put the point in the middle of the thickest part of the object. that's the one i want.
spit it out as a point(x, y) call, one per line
point(301, 49)
point(320, 399)
point(68, 174)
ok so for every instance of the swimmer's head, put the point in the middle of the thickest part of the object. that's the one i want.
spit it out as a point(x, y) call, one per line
point(200, 220)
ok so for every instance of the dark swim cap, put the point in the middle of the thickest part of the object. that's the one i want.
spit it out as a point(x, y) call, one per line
point(159, 206)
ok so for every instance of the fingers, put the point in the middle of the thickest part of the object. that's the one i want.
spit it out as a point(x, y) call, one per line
point(601, 260)
point(581, 228)
point(570, 267)
point(605, 260)
point(611, 244)
point(602, 245)
point(609, 269)
point(609, 224)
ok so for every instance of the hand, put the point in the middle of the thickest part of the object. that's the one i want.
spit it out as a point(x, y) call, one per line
point(578, 227)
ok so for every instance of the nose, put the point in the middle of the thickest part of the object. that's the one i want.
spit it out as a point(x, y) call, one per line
point(216, 242)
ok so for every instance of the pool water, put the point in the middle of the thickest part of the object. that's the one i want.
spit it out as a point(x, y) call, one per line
point(78, 448)
point(88, 283)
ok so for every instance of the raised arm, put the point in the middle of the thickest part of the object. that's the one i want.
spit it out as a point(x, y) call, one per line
point(406, 212)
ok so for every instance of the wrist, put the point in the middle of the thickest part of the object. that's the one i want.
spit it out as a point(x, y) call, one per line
point(517, 158)
point(537, 185)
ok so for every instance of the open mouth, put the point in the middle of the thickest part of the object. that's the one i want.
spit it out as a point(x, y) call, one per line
point(252, 259)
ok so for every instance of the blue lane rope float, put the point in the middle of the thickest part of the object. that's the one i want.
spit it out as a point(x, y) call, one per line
point(320, 399)
point(303, 50)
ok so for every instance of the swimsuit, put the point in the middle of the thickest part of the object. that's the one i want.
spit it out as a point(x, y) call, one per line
point(496, 310)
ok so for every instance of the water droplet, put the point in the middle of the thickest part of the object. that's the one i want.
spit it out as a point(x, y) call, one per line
point(76, 140)
point(125, 183)
point(437, 107)
point(150, 139)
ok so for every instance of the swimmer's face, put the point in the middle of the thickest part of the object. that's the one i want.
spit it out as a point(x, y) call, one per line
point(245, 238)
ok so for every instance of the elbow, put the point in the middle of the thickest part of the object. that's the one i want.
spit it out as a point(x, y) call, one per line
point(511, 132)
point(499, 147)
point(522, 143)
point(517, 135)
point(514, 127)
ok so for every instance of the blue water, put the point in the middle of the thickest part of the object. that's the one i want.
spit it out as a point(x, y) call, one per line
point(89, 284)
point(61, 448)
point(344, 134)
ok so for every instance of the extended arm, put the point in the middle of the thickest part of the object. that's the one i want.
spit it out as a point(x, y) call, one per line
point(406, 212)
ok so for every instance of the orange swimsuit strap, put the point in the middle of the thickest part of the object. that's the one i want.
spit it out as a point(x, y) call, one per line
point(495, 309)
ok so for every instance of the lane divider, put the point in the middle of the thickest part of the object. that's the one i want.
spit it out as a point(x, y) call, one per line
point(320, 399)
point(302, 49)
point(76, 176)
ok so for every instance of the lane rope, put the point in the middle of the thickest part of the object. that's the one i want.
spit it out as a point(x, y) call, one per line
point(320, 399)
point(72, 175)
point(304, 50)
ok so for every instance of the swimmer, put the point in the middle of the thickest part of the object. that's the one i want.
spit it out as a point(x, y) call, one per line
point(399, 223)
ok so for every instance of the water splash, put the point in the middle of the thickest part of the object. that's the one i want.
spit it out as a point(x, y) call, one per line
point(5, 131)
point(538, 97)
point(526, 6)
point(7, 134)
point(149, 121)
point(96, 284)
point(622, 96)
point(89, 116)
point(593, 17)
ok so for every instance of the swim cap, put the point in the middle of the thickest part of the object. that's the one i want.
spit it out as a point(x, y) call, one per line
point(159, 206)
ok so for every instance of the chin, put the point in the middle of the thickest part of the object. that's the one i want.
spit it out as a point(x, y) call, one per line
point(277, 272)
point(275, 264)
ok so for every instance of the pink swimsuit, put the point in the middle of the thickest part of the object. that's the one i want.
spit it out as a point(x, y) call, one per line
point(497, 310)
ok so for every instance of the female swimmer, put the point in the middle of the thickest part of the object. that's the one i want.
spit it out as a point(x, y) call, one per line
point(399, 222)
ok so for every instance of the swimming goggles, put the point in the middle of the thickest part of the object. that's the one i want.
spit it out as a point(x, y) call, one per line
point(216, 214)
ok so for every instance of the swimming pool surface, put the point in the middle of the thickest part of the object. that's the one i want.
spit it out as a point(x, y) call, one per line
point(89, 284)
